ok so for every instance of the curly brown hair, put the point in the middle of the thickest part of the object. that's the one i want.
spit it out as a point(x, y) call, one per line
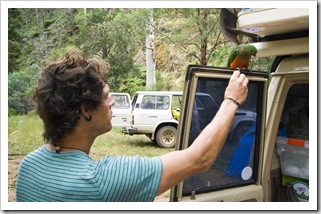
point(62, 88)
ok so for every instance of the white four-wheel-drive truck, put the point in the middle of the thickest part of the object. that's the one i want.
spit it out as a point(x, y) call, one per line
point(156, 115)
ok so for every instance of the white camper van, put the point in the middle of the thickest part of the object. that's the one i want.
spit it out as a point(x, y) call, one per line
point(269, 160)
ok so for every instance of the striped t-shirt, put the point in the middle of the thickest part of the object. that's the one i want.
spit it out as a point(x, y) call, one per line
point(45, 175)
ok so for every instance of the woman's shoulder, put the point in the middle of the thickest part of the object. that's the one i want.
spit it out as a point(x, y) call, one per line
point(44, 154)
point(124, 161)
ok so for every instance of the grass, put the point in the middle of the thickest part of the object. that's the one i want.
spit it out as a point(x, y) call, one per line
point(25, 135)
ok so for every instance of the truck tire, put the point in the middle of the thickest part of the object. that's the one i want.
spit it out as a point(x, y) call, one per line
point(166, 137)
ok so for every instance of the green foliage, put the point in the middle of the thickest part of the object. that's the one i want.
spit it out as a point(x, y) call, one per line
point(195, 32)
point(108, 33)
point(168, 82)
point(14, 39)
point(220, 55)
point(135, 81)
point(12, 112)
point(117, 35)
point(262, 64)
point(20, 86)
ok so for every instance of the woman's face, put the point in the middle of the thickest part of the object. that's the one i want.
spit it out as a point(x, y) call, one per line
point(101, 117)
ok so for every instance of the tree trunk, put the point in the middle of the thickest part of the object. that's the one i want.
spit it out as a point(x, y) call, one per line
point(150, 64)
point(37, 16)
point(203, 54)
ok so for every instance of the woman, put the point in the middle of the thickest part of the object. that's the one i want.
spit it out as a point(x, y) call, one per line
point(73, 101)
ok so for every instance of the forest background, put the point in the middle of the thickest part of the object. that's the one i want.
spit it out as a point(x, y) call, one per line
point(123, 37)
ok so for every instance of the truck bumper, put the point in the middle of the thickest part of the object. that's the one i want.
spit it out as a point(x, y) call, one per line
point(129, 130)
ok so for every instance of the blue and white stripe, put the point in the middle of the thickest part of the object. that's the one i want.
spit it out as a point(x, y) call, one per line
point(45, 175)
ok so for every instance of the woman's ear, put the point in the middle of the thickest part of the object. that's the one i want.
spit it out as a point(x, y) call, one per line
point(85, 112)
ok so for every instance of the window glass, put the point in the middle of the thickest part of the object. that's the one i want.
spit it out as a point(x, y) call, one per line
point(155, 102)
point(121, 101)
point(295, 117)
point(148, 102)
point(236, 165)
point(176, 106)
point(177, 101)
point(162, 102)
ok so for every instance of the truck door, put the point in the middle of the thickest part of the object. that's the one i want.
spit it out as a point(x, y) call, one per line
point(236, 173)
point(153, 109)
point(121, 116)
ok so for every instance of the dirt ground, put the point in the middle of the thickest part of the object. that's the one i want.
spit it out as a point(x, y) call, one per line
point(13, 166)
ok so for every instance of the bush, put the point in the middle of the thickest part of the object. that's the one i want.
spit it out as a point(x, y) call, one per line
point(12, 112)
point(19, 85)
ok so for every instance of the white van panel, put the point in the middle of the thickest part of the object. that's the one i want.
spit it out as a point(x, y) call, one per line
point(271, 21)
point(121, 116)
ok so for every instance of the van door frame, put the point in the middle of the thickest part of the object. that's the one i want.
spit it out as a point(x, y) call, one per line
point(251, 192)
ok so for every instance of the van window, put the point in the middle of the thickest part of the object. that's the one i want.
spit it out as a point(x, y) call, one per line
point(177, 101)
point(155, 102)
point(236, 164)
point(121, 101)
point(295, 117)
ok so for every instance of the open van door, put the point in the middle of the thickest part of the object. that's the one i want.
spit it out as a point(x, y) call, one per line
point(236, 173)
point(121, 116)
point(252, 165)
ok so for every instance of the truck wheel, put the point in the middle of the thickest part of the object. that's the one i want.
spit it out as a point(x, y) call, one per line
point(166, 137)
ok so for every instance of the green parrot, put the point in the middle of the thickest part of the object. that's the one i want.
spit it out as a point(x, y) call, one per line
point(241, 55)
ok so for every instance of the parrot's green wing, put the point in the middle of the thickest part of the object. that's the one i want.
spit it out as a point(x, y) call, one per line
point(232, 56)
point(251, 50)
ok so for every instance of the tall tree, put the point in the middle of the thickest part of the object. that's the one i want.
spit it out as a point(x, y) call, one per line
point(15, 21)
point(194, 31)
point(150, 64)
point(115, 35)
